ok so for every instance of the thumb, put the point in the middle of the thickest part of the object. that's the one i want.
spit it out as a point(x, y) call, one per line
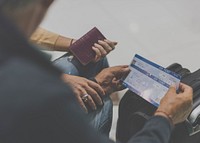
point(172, 89)
point(121, 69)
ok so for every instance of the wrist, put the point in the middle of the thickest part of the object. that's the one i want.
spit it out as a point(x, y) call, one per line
point(62, 44)
point(64, 76)
point(165, 115)
point(71, 42)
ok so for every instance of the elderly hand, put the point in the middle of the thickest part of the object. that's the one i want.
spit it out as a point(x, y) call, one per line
point(87, 92)
point(110, 78)
point(102, 48)
point(176, 106)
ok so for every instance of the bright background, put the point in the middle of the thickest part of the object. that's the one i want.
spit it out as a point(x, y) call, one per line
point(164, 31)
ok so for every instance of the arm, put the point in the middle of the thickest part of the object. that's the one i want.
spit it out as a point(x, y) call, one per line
point(51, 40)
point(174, 108)
point(157, 130)
point(55, 42)
point(57, 118)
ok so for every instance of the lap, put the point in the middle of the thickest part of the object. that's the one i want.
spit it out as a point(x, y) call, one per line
point(102, 118)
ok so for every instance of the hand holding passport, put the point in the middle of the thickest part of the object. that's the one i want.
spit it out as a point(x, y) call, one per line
point(82, 48)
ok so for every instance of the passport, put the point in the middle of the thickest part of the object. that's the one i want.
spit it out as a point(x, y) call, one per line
point(82, 48)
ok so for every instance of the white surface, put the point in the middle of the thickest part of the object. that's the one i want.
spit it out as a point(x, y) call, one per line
point(114, 123)
point(164, 31)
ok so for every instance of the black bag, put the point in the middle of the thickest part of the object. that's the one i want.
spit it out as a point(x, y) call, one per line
point(134, 111)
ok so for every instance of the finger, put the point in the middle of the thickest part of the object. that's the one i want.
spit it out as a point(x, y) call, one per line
point(111, 43)
point(82, 104)
point(106, 46)
point(171, 90)
point(118, 71)
point(91, 103)
point(122, 67)
point(79, 93)
point(118, 84)
point(185, 88)
point(95, 96)
point(98, 54)
point(97, 87)
point(125, 66)
point(101, 49)
point(115, 43)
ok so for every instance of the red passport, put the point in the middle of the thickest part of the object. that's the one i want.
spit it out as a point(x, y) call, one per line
point(82, 48)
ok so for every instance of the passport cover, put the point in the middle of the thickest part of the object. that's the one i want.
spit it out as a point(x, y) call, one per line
point(82, 48)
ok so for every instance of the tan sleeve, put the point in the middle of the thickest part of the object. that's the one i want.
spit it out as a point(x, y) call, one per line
point(50, 40)
point(44, 38)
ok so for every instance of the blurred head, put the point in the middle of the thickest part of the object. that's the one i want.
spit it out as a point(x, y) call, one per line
point(25, 14)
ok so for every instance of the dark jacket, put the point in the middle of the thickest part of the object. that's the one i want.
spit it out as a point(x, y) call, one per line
point(37, 107)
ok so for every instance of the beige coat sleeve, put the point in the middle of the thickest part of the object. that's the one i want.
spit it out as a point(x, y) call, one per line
point(50, 40)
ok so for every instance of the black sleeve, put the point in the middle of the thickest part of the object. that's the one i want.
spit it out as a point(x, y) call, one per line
point(156, 130)
point(57, 119)
point(74, 128)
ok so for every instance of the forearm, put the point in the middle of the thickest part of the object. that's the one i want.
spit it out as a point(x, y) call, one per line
point(156, 130)
point(50, 40)
point(62, 43)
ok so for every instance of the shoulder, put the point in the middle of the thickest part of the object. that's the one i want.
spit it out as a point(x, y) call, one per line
point(26, 80)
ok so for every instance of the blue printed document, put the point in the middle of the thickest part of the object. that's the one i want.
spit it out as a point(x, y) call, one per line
point(149, 80)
